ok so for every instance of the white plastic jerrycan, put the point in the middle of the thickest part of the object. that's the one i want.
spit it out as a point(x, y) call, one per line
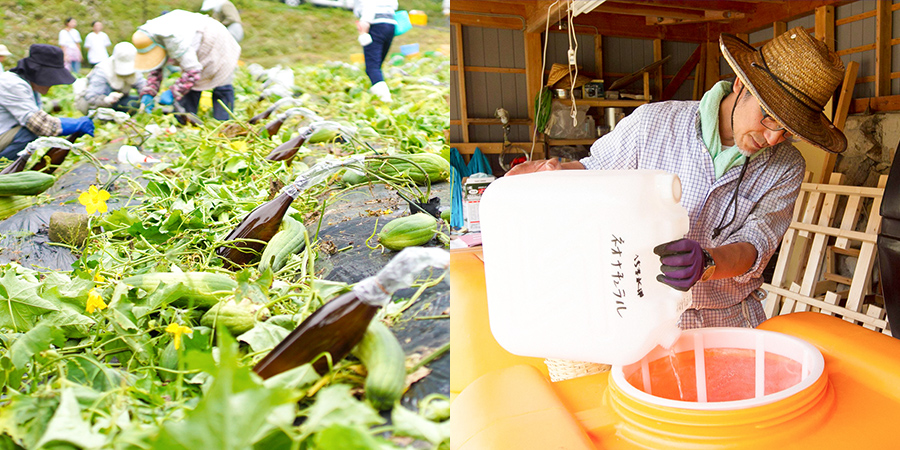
point(569, 263)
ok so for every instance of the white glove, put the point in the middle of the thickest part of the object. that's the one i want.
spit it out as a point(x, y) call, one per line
point(113, 97)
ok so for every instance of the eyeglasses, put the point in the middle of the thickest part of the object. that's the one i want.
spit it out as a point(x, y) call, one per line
point(771, 124)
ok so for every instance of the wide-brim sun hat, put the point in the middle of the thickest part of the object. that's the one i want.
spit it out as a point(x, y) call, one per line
point(150, 55)
point(45, 66)
point(123, 57)
point(4, 51)
point(209, 5)
point(792, 76)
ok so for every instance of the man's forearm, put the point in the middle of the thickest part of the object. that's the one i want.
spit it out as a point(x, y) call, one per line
point(732, 260)
point(572, 165)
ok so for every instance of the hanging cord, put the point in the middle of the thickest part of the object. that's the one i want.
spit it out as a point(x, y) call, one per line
point(573, 48)
point(543, 66)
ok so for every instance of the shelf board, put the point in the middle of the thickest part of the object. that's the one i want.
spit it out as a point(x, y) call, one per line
point(553, 142)
point(604, 103)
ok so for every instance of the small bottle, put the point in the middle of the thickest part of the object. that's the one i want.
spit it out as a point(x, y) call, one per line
point(340, 324)
point(287, 150)
point(274, 126)
point(56, 155)
point(18, 165)
point(262, 223)
point(263, 115)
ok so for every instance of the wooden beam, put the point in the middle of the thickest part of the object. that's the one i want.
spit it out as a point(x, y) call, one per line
point(472, 20)
point(825, 25)
point(534, 79)
point(883, 19)
point(658, 75)
point(621, 25)
point(598, 54)
point(682, 74)
point(711, 74)
point(454, 68)
point(461, 82)
point(702, 5)
point(766, 13)
point(489, 7)
point(840, 116)
point(545, 11)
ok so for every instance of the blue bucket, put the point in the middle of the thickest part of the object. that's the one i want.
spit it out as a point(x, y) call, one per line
point(403, 23)
point(409, 49)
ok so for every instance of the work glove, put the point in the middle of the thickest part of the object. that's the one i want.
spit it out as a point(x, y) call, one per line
point(682, 263)
point(83, 125)
point(112, 98)
point(166, 98)
point(147, 102)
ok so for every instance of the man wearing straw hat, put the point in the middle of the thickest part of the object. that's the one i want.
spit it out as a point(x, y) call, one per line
point(740, 174)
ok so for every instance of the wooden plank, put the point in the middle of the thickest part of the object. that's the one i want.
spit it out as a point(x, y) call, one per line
point(598, 54)
point(544, 11)
point(883, 27)
point(765, 14)
point(866, 261)
point(651, 11)
point(837, 278)
point(621, 25)
point(471, 20)
point(842, 111)
point(778, 28)
point(494, 121)
point(489, 7)
point(848, 315)
point(855, 235)
point(658, 75)
point(534, 79)
point(848, 222)
point(488, 148)
point(454, 68)
point(784, 255)
point(832, 299)
point(790, 301)
point(700, 74)
point(875, 104)
point(874, 312)
point(461, 82)
point(855, 18)
point(817, 249)
point(711, 74)
point(682, 74)
point(852, 50)
point(825, 25)
point(811, 211)
point(873, 192)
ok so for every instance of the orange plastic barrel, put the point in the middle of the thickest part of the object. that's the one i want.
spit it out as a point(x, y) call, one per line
point(501, 404)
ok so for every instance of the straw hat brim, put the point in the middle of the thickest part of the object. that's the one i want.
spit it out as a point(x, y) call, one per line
point(150, 60)
point(566, 82)
point(811, 126)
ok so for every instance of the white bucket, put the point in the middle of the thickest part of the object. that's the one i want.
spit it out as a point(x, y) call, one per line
point(738, 368)
point(569, 264)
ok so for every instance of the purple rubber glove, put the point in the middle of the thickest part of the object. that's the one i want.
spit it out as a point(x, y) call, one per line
point(682, 263)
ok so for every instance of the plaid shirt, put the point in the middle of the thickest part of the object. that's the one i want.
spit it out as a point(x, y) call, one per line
point(666, 136)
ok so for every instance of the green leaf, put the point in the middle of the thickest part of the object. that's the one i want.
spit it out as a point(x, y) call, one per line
point(263, 336)
point(34, 341)
point(68, 426)
point(20, 303)
point(342, 437)
point(231, 412)
point(335, 405)
point(408, 423)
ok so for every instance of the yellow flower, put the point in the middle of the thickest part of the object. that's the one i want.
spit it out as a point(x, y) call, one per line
point(239, 146)
point(99, 278)
point(94, 199)
point(95, 302)
point(177, 330)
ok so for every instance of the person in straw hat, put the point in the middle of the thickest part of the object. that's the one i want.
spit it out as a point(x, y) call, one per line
point(204, 50)
point(21, 118)
point(110, 81)
point(740, 174)
point(4, 52)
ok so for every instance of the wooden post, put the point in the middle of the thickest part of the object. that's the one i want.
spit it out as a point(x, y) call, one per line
point(534, 79)
point(711, 77)
point(778, 28)
point(461, 74)
point(843, 109)
point(598, 54)
point(699, 74)
point(825, 25)
point(883, 48)
point(657, 55)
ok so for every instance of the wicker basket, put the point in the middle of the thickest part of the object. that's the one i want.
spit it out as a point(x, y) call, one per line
point(561, 369)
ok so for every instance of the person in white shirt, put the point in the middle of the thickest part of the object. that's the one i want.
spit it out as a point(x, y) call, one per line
point(4, 52)
point(70, 41)
point(376, 32)
point(96, 42)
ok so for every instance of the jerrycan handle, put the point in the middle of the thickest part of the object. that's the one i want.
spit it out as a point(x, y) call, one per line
point(669, 186)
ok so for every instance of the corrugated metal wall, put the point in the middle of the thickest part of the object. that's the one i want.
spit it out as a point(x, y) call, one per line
point(855, 34)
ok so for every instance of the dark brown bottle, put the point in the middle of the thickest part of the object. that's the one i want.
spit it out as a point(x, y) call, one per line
point(287, 150)
point(261, 224)
point(263, 115)
point(55, 155)
point(16, 166)
point(274, 126)
point(335, 328)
